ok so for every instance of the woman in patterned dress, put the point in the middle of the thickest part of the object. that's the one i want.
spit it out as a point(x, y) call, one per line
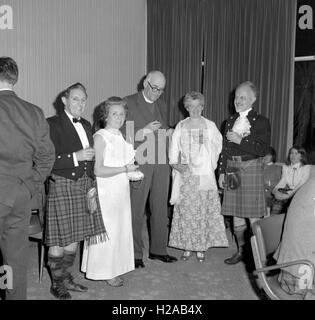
point(194, 150)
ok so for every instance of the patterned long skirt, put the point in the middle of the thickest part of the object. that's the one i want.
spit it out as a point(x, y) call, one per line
point(248, 201)
point(67, 220)
point(197, 221)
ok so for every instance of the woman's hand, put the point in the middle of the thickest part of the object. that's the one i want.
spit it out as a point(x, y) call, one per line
point(131, 167)
point(281, 196)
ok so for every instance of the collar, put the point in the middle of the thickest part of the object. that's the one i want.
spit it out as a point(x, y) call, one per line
point(245, 113)
point(296, 166)
point(70, 116)
point(146, 99)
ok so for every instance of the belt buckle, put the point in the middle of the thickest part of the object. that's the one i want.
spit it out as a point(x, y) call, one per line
point(237, 158)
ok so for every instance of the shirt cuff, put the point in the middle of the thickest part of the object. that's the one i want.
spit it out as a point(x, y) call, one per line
point(75, 160)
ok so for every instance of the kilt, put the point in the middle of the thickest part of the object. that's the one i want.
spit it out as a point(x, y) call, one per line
point(248, 201)
point(67, 219)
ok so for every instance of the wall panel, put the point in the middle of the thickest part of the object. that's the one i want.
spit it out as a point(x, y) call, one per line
point(101, 43)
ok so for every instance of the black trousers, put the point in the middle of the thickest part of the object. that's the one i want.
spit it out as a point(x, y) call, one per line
point(155, 185)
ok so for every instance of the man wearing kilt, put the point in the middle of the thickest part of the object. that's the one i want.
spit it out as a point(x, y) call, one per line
point(246, 140)
point(67, 221)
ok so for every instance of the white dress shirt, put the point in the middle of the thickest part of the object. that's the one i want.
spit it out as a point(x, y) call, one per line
point(82, 135)
point(242, 125)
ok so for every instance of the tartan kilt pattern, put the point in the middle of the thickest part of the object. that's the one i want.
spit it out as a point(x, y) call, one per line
point(248, 201)
point(67, 218)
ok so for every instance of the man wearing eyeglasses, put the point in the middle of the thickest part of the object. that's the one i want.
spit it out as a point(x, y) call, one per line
point(147, 114)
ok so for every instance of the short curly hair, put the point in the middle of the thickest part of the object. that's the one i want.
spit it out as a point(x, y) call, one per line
point(194, 95)
point(105, 106)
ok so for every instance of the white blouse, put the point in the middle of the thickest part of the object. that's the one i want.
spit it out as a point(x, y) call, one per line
point(294, 176)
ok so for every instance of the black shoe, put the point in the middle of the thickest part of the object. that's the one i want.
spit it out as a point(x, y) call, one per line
point(236, 258)
point(60, 292)
point(71, 285)
point(163, 258)
point(139, 263)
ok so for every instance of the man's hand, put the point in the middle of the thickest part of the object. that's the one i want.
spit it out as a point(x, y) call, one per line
point(154, 125)
point(181, 168)
point(169, 132)
point(221, 180)
point(233, 137)
point(85, 154)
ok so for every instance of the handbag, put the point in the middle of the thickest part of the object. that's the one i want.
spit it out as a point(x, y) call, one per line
point(91, 199)
point(232, 178)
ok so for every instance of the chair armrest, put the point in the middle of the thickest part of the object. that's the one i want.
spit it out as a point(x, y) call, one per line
point(287, 264)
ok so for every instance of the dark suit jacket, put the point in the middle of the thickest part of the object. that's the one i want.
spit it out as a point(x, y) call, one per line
point(256, 144)
point(26, 151)
point(67, 141)
point(140, 113)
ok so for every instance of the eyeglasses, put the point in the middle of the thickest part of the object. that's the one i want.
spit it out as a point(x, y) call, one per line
point(155, 89)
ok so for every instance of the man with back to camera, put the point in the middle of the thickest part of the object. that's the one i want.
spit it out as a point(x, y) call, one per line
point(26, 155)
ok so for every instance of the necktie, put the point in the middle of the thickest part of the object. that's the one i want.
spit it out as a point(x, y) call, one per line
point(75, 120)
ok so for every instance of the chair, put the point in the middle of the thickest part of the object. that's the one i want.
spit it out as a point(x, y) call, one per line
point(36, 223)
point(265, 240)
point(35, 231)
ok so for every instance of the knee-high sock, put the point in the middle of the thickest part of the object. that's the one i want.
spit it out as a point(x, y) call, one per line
point(239, 234)
point(68, 260)
point(55, 264)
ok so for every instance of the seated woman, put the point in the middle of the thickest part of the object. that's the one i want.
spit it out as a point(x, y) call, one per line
point(272, 175)
point(195, 147)
point(298, 242)
point(114, 159)
point(294, 174)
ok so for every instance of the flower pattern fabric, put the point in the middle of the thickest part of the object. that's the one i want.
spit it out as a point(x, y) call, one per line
point(197, 221)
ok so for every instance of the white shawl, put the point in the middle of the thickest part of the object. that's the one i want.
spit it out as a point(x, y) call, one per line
point(206, 159)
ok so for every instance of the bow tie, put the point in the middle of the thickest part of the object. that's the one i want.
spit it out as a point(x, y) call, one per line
point(75, 120)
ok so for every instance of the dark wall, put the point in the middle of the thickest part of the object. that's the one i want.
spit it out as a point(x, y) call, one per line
point(305, 38)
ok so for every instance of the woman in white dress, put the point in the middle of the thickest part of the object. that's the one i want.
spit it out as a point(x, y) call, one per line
point(114, 158)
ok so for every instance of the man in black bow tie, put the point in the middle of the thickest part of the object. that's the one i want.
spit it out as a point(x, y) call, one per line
point(67, 221)
point(76, 120)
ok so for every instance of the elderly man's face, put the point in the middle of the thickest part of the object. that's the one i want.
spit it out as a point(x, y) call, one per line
point(154, 87)
point(75, 103)
point(244, 98)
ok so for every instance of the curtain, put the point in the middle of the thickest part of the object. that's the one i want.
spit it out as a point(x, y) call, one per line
point(304, 103)
point(175, 47)
point(238, 40)
point(251, 40)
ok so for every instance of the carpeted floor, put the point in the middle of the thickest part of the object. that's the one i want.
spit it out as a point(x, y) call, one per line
point(190, 280)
